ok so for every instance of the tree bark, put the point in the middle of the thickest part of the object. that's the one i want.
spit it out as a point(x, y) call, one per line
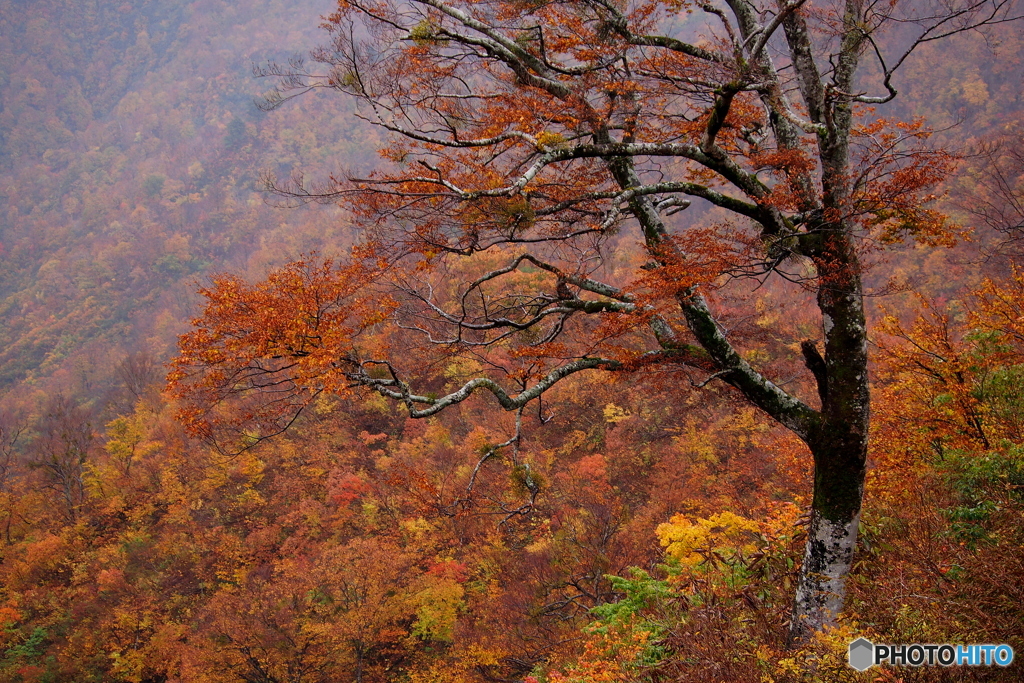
point(839, 447)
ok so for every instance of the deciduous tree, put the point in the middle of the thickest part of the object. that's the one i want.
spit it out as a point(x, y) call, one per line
point(527, 139)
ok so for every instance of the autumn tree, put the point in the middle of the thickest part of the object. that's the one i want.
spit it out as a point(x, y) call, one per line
point(960, 378)
point(61, 451)
point(531, 144)
point(994, 195)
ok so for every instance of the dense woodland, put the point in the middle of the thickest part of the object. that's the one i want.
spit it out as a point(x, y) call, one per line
point(644, 526)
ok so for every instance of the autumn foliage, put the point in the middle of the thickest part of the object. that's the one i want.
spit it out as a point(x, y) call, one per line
point(260, 354)
point(639, 522)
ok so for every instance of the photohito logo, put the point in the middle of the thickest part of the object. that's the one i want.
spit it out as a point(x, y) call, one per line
point(864, 654)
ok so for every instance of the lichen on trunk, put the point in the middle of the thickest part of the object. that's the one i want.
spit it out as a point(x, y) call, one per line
point(821, 590)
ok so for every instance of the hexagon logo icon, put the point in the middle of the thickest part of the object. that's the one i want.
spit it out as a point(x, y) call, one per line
point(862, 654)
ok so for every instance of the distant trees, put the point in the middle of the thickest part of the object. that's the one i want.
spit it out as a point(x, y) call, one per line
point(139, 372)
point(60, 453)
point(525, 138)
point(994, 195)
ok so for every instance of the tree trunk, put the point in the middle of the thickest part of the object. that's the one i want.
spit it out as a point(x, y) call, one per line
point(838, 442)
point(831, 537)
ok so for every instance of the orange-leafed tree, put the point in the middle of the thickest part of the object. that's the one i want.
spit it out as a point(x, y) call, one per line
point(531, 144)
point(960, 379)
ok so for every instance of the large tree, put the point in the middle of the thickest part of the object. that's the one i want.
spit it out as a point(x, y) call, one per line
point(531, 136)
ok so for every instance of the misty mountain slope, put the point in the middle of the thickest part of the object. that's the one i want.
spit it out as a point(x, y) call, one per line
point(129, 148)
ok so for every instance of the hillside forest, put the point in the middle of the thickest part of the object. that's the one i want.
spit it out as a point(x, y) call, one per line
point(451, 341)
